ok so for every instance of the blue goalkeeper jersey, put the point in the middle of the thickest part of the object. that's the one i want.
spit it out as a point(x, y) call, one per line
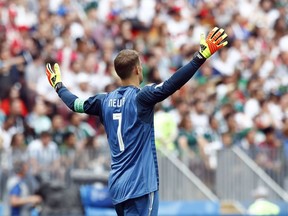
point(127, 115)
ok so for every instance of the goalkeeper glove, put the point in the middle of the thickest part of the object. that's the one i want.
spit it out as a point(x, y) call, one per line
point(214, 41)
point(54, 76)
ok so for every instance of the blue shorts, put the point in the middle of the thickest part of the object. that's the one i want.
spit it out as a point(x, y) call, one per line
point(146, 205)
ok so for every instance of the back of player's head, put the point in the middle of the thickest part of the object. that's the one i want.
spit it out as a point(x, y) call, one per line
point(125, 62)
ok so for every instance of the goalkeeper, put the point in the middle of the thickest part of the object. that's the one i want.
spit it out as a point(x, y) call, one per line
point(127, 115)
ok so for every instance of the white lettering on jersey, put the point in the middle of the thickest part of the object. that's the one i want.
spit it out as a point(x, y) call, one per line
point(116, 102)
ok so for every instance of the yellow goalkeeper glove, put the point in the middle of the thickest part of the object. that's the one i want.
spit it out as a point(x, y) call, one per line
point(215, 40)
point(54, 76)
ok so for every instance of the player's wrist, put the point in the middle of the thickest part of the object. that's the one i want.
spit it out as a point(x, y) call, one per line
point(199, 57)
point(58, 86)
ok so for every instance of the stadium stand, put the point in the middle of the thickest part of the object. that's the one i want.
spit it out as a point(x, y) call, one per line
point(235, 107)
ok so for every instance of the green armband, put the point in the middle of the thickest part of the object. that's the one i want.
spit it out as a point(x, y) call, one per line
point(79, 105)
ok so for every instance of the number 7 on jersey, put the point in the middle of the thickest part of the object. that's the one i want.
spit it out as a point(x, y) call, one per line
point(118, 117)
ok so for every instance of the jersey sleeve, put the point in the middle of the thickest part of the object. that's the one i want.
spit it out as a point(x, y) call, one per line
point(91, 106)
point(152, 94)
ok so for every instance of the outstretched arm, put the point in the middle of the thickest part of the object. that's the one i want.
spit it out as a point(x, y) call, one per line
point(153, 94)
point(90, 106)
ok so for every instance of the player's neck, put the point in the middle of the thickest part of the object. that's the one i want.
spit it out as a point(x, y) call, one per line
point(130, 82)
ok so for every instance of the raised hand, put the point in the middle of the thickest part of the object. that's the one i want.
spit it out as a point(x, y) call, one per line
point(54, 76)
point(215, 40)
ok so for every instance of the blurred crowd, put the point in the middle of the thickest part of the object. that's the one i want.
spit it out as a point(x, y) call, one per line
point(238, 97)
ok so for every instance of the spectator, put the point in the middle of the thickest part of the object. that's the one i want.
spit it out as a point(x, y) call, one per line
point(17, 148)
point(83, 88)
point(31, 71)
point(223, 65)
point(14, 124)
point(38, 119)
point(20, 200)
point(252, 105)
point(67, 148)
point(189, 144)
point(86, 157)
point(57, 129)
point(270, 155)
point(181, 109)
point(80, 128)
point(71, 73)
point(227, 139)
point(68, 155)
point(233, 128)
point(102, 152)
point(249, 143)
point(43, 156)
point(214, 139)
point(177, 26)
point(199, 117)
point(7, 131)
point(283, 136)
point(222, 114)
point(13, 96)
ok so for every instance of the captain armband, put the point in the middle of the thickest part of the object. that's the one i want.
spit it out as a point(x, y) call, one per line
point(79, 105)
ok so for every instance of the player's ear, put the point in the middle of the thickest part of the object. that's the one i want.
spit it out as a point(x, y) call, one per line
point(138, 69)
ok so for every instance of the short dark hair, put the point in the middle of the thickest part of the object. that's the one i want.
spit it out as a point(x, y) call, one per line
point(18, 165)
point(67, 135)
point(45, 134)
point(125, 62)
